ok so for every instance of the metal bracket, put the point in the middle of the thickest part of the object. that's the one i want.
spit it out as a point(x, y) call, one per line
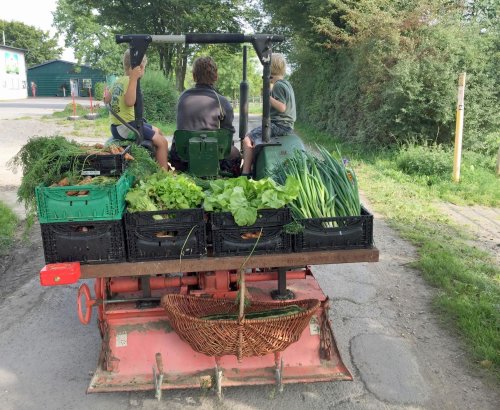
point(218, 379)
point(158, 377)
point(278, 372)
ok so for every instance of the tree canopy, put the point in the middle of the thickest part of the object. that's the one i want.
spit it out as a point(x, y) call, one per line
point(40, 46)
point(152, 17)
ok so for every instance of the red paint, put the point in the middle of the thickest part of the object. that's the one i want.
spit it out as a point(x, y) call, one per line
point(134, 336)
point(56, 274)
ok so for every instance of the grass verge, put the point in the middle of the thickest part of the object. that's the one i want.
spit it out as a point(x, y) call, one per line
point(8, 224)
point(467, 279)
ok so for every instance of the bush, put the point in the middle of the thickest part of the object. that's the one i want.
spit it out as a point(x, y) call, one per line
point(99, 90)
point(379, 72)
point(160, 97)
point(426, 159)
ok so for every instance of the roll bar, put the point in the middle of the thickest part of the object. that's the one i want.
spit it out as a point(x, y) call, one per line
point(262, 44)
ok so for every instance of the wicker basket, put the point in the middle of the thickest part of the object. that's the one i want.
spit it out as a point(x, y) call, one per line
point(248, 337)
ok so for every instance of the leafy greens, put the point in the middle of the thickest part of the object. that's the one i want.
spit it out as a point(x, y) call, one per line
point(243, 197)
point(164, 191)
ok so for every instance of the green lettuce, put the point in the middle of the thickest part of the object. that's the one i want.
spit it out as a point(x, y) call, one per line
point(243, 197)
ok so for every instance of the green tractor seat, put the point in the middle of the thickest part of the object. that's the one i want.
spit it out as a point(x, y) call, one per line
point(203, 149)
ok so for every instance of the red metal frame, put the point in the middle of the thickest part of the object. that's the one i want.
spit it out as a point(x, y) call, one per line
point(133, 337)
point(140, 350)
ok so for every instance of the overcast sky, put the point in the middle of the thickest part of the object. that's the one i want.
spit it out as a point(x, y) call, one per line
point(34, 13)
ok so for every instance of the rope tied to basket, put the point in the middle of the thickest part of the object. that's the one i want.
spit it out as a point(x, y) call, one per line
point(219, 327)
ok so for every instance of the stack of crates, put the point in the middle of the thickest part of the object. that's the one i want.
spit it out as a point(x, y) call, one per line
point(83, 222)
point(174, 234)
point(266, 235)
point(343, 232)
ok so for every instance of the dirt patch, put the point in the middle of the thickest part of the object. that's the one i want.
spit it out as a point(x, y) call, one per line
point(481, 222)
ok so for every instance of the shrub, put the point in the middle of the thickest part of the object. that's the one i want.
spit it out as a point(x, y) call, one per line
point(160, 97)
point(426, 159)
point(381, 72)
point(99, 90)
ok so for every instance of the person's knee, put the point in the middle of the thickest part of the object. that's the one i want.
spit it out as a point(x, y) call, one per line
point(247, 142)
point(160, 141)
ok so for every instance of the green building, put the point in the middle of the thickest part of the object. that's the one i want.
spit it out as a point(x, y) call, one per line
point(61, 78)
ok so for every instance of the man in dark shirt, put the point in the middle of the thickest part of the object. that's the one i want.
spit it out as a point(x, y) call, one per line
point(203, 108)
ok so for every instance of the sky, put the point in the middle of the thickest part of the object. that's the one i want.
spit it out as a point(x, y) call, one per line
point(35, 13)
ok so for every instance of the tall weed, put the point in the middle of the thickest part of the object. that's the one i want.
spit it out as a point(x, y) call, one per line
point(425, 159)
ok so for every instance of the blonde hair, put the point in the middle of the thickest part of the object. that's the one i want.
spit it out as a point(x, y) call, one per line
point(126, 60)
point(278, 64)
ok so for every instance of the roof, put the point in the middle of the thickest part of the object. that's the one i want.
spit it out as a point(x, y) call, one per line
point(59, 61)
point(13, 48)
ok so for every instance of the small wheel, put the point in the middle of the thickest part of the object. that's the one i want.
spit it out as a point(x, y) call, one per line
point(85, 292)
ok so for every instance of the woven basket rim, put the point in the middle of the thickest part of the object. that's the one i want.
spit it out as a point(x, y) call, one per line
point(311, 301)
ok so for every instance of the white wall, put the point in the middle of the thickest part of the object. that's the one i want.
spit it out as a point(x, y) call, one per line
point(13, 82)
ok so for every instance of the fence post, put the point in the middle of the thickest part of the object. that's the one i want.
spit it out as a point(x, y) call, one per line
point(457, 157)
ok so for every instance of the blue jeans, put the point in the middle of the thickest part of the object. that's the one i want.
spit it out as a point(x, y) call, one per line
point(276, 131)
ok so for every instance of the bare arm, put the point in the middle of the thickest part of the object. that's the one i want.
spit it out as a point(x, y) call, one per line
point(277, 105)
point(130, 94)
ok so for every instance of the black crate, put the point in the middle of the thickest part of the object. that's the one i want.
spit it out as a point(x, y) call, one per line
point(350, 232)
point(165, 235)
point(86, 242)
point(105, 165)
point(265, 218)
point(187, 217)
point(231, 242)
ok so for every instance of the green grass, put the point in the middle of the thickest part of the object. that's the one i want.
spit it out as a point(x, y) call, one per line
point(467, 279)
point(8, 224)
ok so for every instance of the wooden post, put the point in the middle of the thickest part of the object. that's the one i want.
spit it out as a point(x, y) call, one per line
point(498, 162)
point(457, 158)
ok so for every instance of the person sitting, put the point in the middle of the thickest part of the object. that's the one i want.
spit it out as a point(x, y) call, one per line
point(203, 108)
point(282, 111)
point(122, 98)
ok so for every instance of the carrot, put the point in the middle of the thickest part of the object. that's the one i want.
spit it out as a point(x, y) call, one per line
point(114, 149)
point(63, 182)
point(84, 181)
point(99, 146)
point(128, 157)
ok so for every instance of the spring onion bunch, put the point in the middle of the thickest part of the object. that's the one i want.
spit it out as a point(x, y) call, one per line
point(328, 188)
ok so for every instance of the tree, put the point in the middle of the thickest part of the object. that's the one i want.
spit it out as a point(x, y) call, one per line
point(161, 17)
point(94, 43)
point(40, 45)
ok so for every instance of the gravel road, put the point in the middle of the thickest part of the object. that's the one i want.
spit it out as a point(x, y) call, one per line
point(389, 336)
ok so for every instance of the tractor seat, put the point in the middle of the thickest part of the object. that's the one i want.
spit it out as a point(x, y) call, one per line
point(222, 137)
point(202, 151)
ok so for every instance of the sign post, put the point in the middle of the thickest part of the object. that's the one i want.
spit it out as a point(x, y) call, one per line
point(457, 157)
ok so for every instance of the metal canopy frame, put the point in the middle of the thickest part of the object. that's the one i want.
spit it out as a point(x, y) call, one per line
point(262, 44)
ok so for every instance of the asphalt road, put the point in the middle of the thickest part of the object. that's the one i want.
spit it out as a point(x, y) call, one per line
point(11, 109)
point(386, 330)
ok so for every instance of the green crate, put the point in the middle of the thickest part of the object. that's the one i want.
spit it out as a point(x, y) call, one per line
point(102, 203)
